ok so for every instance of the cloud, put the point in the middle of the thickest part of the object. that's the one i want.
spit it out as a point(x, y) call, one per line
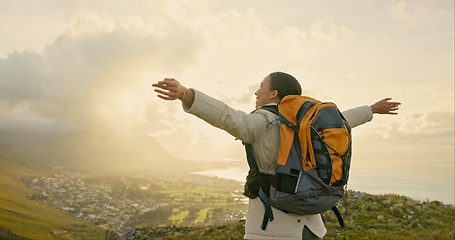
point(91, 68)
point(20, 77)
point(97, 71)
point(431, 125)
point(246, 98)
point(402, 9)
point(424, 129)
point(409, 9)
point(328, 32)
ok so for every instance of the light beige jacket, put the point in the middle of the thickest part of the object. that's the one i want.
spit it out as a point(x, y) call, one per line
point(261, 129)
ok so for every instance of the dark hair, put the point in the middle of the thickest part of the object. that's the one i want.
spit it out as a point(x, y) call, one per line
point(285, 84)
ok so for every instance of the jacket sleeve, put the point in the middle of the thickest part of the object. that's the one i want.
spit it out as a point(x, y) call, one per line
point(358, 116)
point(244, 126)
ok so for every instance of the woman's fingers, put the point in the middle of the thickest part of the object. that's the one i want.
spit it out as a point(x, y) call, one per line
point(168, 88)
point(163, 94)
point(385, 107)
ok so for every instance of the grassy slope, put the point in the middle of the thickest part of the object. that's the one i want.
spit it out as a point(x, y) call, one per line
point(31, 219)
point(389, 217)
point(392, 216)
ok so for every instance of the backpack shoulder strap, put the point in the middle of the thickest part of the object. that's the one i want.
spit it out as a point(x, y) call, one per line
point(339, 216)
point(249, 149)
point(271, 108)
point(254, 170)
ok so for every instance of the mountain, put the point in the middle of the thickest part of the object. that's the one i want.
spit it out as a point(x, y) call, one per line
point(102, 149)
point(99, 150)
point(9, 155)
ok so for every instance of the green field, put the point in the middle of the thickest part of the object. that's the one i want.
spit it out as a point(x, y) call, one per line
point(194, 201)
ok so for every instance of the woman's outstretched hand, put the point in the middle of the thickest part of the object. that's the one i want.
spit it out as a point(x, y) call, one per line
point(385, 107)
point(169, 89)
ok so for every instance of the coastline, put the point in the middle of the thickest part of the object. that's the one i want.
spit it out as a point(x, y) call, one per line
point(430, 188)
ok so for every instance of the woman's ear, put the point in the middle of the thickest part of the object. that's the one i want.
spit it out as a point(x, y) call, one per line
point(274, 94)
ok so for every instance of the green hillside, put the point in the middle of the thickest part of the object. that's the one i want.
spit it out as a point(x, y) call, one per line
point(381, 217)
point(184, 206)
point(31, 219)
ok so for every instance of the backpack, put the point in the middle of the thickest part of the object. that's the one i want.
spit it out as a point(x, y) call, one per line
point(313, 160)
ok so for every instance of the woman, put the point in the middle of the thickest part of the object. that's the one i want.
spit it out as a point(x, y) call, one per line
point(261, 130)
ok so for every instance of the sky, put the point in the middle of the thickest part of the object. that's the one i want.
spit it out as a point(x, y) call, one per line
point(89, 64)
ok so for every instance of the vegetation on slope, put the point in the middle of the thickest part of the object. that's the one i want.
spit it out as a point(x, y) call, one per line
point(197, 207)
point(366, 217)
point(30, 219)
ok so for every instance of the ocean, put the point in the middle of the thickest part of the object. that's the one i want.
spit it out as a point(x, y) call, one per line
point(376, 180)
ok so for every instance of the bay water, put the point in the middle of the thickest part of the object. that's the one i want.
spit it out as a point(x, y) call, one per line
point(374, 180)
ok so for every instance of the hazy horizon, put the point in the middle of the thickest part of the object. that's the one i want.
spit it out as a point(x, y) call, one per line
point(70, 66)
